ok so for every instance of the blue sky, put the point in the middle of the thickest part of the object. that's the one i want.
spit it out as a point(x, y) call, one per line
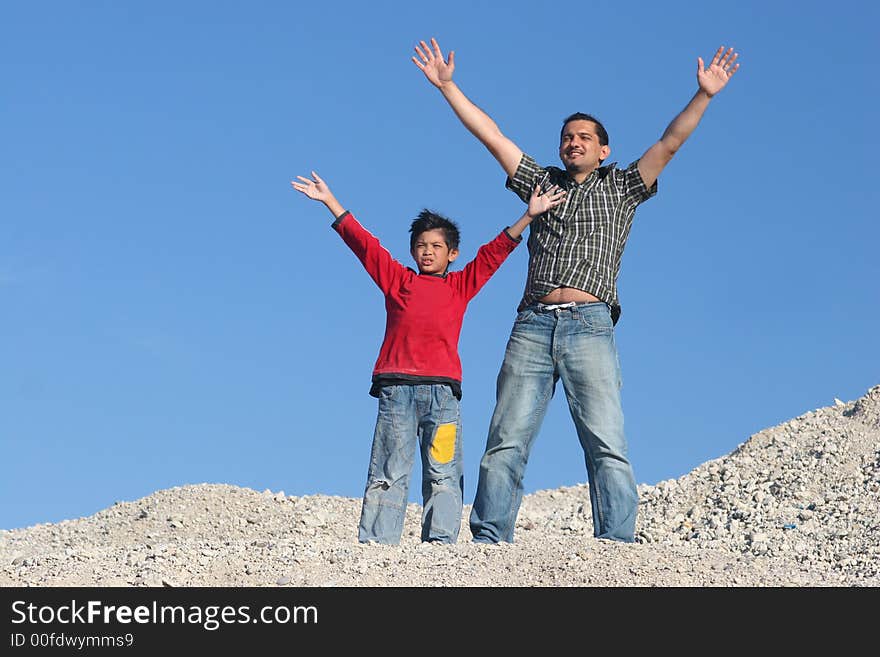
point(172, 312)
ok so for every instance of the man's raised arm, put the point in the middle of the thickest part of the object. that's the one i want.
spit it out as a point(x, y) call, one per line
point(711, 80)
point(439, 73)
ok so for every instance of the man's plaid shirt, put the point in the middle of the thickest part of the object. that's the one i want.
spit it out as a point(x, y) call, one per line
point(580, 242)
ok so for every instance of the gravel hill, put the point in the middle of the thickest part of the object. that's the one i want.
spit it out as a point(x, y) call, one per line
point(797, 504)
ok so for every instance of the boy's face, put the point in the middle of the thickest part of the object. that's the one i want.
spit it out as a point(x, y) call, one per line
point(431, 253)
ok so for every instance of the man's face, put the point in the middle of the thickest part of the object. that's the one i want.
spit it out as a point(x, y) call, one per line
point(431, 253)
point(579, 147)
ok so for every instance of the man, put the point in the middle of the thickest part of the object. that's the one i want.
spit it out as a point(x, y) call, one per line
point(565, 323)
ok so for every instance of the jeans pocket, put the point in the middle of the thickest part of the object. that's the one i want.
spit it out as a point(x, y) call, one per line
point(596, 319)
point(524, 315)
point(389, 393)
point(443, 396)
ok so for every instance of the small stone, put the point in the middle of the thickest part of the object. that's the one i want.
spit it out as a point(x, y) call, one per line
point(283, 580)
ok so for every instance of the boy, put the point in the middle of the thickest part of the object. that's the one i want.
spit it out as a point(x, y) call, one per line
point(417, 375)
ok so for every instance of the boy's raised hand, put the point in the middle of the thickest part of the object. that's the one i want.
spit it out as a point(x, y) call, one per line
point(430, 60)
point(541, 201)
point(316, 189)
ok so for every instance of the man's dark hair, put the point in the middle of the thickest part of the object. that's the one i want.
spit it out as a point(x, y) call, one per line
point(428, 220)
point(580, 116)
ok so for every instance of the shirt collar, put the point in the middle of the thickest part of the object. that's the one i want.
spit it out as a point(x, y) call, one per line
point(418, 273)
point(599, 173)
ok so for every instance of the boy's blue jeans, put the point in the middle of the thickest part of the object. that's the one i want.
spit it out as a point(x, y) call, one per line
point(575, 345)
point(407, 412)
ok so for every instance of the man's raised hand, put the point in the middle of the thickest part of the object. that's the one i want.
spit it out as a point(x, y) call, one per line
point(713, 78)
point(433, 65)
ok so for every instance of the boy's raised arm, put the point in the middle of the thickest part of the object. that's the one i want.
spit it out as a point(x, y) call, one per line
point(439, 73)
point(539, 203)
point(317, 190)
point(376, 259)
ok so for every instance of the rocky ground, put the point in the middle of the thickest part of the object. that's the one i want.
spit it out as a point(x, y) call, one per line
point(795, 505)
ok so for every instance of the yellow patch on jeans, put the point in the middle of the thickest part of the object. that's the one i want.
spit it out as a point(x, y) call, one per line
point(443, 447)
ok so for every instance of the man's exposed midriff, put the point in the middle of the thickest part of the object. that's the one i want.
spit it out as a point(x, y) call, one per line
point(566, 294)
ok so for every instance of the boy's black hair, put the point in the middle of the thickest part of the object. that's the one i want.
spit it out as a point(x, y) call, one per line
point(601, 132)
point(428, 220)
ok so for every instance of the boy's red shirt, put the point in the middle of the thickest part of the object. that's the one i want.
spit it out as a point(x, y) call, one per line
point(424, 313)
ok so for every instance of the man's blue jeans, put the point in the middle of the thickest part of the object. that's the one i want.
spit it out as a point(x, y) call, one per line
point(429, 413)
point(575, 345)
